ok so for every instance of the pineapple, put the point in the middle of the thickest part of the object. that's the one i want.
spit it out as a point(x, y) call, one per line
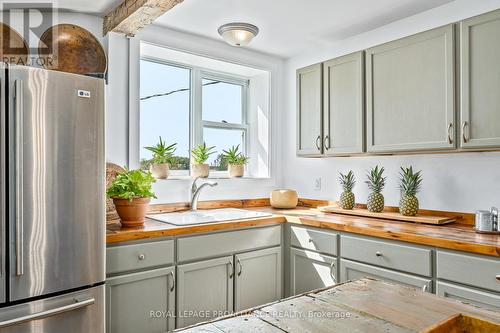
point(376, 183)
point(347, 199)
point(410, 184)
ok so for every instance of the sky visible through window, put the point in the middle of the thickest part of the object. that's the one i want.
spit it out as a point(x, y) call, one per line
point(168, 115)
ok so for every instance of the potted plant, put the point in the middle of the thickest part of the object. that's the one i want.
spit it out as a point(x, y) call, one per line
point(131, 192)
point(162, 156)
point(200, 155)
point(376, 183)
point(347, 198)
point(410, 183)
point(235, 161)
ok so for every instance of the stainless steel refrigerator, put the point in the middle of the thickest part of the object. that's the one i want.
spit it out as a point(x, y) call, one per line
point(52, 183)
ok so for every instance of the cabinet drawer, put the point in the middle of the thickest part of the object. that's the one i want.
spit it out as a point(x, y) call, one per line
point(472, 270)
point(223, 243)
point(387, 254)
point(139, 256)
point(476, 297)
point(350, 270)
point(315, 240)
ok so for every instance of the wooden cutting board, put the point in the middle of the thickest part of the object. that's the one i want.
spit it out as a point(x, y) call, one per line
point(426, 219)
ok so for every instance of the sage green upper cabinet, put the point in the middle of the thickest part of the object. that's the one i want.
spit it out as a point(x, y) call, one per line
point(309, 111)
point(480, 81)
point(343, 108)
point(410, 93)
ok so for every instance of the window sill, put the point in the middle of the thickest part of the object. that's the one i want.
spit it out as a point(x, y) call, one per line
point(175, 177)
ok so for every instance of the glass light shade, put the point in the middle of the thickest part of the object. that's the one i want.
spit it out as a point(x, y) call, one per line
point(238, 34)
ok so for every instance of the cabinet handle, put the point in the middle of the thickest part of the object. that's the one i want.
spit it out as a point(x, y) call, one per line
point(424, 288)
point(173, 281)
point(450, 139)
point(318, 142)
point(498, 277)
point(326, 142)
point(332, 274)
point(378, 254)
point(464, 137)
point(231, 272)
point(141, 256)
point(240, 266)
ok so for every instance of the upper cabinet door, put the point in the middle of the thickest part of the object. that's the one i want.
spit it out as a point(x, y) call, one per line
point(343, 105)
point(480, 81)
point(410, 93)
point(309, 111)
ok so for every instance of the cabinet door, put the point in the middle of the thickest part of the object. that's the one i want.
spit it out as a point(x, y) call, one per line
point(480, 81)
point(310, 270)
point(343, 108)
point(410, 93)
point(351, 270)
point(205, 290)
point(309, 111)
point(469, 295)
point(258, 278)
point(141, 302)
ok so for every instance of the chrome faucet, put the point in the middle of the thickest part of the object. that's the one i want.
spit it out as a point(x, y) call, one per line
point(195, 192)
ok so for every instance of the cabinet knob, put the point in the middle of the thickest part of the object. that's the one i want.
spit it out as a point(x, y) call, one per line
point(311, 240)
point(378, 254)
point(141, 256)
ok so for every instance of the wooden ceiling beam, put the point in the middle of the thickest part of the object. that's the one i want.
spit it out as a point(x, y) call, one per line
point(133, 15)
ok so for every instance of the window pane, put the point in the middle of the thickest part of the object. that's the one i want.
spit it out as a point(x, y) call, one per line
point(222, 139)
point(221, 101)
point(165, 110)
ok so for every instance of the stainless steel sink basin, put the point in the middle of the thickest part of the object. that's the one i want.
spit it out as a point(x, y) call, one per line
point(207, 216)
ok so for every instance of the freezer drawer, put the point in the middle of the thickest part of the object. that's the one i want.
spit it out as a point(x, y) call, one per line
point(78, 312)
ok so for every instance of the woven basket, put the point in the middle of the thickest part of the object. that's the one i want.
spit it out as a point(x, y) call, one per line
point(111, 171)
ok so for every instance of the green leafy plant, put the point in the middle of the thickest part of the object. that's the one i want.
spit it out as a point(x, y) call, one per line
point(234, 156)
point(201, 153)
point(161, 152)
point(132, 184)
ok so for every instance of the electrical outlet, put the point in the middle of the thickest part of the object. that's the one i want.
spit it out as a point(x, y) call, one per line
point(317, 184)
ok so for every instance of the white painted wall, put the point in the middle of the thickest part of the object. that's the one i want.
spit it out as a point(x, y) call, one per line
point(123, 105)
point(460, 182)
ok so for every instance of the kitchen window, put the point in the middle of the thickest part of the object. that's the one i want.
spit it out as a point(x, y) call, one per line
point(188, 105)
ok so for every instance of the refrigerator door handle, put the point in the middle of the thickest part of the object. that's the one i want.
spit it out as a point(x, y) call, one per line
point(18, 86)
point(77, 304)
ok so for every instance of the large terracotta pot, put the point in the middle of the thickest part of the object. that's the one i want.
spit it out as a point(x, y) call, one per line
point(236, 170)
point(132, 213)
point(200, 170)
point(160, 171)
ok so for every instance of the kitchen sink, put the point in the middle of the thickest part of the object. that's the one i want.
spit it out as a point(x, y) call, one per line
point(207, 216)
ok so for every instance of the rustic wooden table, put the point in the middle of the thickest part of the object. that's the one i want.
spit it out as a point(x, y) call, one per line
point(364, 305)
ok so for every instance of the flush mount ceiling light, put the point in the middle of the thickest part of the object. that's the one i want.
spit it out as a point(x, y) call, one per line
point(238, 34)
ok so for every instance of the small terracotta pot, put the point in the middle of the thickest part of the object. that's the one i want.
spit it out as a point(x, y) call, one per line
point(284, 199)
point(132, 213)
point(200, 170)
point(236, 170)
point(160, 171)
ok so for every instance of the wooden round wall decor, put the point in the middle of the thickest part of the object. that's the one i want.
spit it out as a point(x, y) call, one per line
point(14, 49)
point(75, 50)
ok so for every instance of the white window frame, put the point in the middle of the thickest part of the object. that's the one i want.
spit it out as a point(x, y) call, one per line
point(196, 122)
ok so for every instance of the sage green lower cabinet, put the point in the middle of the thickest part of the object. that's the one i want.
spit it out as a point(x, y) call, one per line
point(141, 302)
point(311, 270)
point(351, 270)
point(258, 278)
point(481, 298)
point(204, 290)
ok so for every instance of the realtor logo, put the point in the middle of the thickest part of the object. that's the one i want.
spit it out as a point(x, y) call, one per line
point(24, 39)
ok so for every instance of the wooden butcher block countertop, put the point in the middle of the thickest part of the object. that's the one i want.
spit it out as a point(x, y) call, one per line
point(456, 236)
point(364, 305)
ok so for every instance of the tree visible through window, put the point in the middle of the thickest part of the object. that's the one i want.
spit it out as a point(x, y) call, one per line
point(189, 106)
